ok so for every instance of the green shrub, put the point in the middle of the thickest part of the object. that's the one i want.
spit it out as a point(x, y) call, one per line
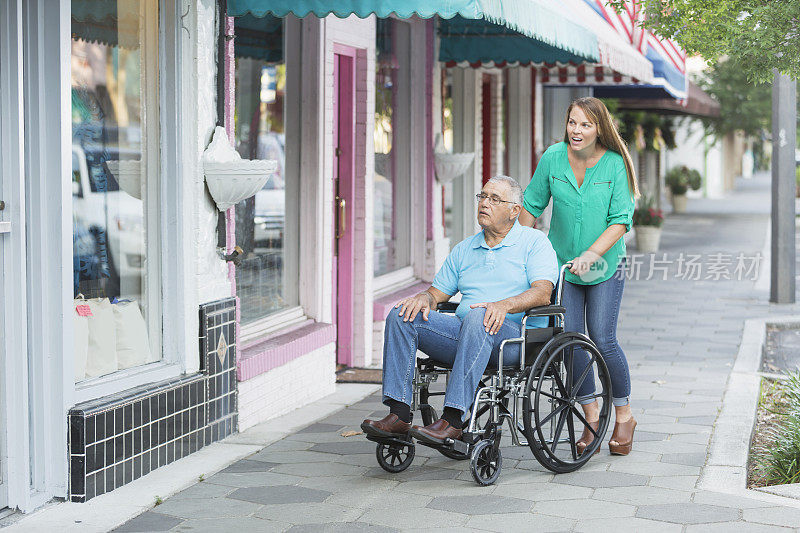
point(679, 179)
point(780, 462)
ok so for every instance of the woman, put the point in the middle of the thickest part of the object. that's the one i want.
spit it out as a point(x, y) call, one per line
point(591, 179)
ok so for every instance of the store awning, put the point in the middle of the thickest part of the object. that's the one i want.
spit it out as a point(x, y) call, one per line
point(477, 42)
point(106, 22)
point(616, 52)
point(697, 102)
point(666, 57)
point(532, 18)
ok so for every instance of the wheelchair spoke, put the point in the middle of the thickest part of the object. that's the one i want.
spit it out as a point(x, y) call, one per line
point(584, 422)
point(571, 433)
point(559, 429)
point(556, 411)
point(583, 377)
point(553, 397)
point(559, 381)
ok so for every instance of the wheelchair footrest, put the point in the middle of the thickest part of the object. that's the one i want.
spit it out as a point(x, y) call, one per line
point(404, 441)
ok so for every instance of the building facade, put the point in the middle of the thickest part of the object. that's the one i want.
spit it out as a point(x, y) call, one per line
point(136, 332)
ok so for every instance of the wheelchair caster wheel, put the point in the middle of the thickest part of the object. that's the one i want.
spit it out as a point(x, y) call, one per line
point(394, 457)
point(485, 463)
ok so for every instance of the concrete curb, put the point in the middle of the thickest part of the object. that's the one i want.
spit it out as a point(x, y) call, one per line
point(111, 510)
point(726, 467)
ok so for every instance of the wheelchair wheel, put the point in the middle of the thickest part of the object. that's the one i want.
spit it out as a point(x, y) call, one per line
point(486, 462)
point(429, 417)
point(552, 418)
point(394, 457)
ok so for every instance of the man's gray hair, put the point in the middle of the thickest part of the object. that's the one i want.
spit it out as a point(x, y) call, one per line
point(516, 190)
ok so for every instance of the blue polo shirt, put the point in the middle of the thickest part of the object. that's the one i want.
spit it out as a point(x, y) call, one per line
point(484, 274)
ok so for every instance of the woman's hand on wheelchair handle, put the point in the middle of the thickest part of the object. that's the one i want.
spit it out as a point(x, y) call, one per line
point(495, 315)
point(410, 307)
point(581, 264)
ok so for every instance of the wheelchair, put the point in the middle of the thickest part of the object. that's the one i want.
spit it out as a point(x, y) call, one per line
point(536, 399)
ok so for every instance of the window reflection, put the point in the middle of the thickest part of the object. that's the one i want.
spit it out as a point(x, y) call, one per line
point(263, 282)
point(114, 117)
point(391, 186)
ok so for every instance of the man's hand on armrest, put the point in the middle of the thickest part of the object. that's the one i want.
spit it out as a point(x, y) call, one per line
point(422, 302)
point(538, 294)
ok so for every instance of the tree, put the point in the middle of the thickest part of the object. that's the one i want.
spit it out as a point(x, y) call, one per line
point(744, 105)
point(758, 35)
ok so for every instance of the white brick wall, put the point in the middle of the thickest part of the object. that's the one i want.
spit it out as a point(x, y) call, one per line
point(295, 384)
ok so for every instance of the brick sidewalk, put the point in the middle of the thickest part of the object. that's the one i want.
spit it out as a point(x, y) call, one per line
point(681, 337)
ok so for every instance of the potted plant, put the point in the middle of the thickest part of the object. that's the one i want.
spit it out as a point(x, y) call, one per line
point(647, 220)
point(679, 179)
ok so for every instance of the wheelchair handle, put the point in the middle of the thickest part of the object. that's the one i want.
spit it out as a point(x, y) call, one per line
point(560, 288)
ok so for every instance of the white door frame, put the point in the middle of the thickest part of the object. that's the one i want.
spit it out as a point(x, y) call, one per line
point(36, 135)
point(13, 335)
point(48, 164)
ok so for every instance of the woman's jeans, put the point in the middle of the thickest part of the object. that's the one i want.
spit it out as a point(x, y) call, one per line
point(596, 307)
point(464, 346)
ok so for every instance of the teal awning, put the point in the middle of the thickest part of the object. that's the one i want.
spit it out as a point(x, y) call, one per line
point(473, 41)
point(259, 38)
point(106, 22)
point(535, 19)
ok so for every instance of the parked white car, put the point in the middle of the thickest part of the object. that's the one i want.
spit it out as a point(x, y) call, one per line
point(110, 215)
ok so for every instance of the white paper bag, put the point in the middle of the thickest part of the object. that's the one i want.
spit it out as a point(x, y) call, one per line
point(102, 351)
point(81, 342)
point(133, 344)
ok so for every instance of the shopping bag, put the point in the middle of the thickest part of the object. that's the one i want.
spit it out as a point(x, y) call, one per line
point(133, 344)
point(102, 346)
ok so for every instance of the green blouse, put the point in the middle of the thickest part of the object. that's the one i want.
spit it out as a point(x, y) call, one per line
point(582, 214)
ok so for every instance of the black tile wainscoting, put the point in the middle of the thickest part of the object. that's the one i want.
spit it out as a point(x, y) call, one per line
point(116, 439)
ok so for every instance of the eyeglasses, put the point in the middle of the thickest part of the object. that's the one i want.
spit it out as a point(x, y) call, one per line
point(494, 200)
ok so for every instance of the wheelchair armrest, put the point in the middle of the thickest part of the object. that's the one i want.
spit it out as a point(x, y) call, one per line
point(447, 307)
point(546, 310)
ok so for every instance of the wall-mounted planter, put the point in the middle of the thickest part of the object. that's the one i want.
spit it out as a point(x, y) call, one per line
point(230, 178)
point(231, 182)
point(128, 175)
point(450, 166)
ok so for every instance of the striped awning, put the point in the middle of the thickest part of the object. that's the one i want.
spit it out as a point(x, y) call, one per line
point(536, 19)
point(668, 60)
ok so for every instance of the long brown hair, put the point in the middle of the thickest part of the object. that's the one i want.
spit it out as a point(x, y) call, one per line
point(607, 134)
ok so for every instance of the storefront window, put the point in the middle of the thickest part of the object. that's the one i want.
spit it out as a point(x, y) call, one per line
point(115, 160)
point(391, 207)
point(447, 142)
point(266, 281)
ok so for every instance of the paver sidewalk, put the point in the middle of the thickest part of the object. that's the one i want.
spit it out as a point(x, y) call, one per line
point(681, 337)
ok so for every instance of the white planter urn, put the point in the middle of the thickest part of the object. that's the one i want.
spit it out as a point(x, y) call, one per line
point(128, 175)
point(679, 203)
point(230, 178)
point(450, 166)
point(648, 238)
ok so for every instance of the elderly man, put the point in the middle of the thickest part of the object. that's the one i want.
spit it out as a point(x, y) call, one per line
point(501, 271)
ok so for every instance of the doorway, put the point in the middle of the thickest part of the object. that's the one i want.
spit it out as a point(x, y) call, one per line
point(344, 188)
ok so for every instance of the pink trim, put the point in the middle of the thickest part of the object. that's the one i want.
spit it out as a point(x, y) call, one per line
point(281, 348)
point(229, 71)
point(381, 306)
point(431, 169)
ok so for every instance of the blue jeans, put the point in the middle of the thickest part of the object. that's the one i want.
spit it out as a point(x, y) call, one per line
point(596, 307)
point(464, 346)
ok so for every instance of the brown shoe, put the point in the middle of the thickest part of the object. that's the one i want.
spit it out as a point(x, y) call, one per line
point(623, 436)
point(436, 432)
point(388, 426)
point(587, 438)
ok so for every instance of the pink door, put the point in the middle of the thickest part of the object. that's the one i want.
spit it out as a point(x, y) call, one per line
point(343, 186)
